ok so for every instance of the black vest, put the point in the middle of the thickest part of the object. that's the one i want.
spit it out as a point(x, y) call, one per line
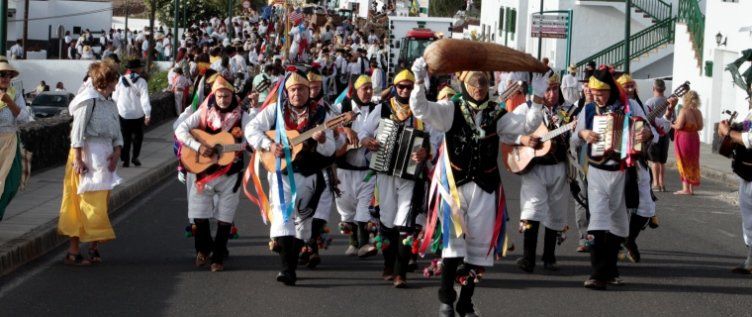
point(473, 158)
point(559, 144)
point(308, 161)
point(347, 105)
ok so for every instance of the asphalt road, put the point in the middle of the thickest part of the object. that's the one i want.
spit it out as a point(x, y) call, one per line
point(148, 271)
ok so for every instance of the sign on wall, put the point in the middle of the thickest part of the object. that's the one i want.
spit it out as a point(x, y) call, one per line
point(550, 25)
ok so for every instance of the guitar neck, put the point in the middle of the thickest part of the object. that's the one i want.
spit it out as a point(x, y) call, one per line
point(558, 131)
point(340, 119)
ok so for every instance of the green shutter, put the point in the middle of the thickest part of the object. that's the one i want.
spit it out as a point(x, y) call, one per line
point(501, 19)
point(513, 22)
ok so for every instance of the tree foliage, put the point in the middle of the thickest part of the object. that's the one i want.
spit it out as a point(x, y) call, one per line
point(194, 10)
point(447, 8)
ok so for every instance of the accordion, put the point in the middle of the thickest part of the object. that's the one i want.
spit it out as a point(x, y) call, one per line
point(610, 128)
point(396, 144)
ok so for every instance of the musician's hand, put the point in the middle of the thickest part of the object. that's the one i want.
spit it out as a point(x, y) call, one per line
point(419, 69)
point(253, 99)
point(530, 140)
point(147, 120)
point(589, 136)
point(723, 128)
point(277, 150)
point(644, 135)
point(206, 151)
point(319, 136)
point(540, 84)
point(419, 155)
point(352, 137)
point(370, 143)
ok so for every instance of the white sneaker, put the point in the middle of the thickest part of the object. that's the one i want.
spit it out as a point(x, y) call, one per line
point(351, 251)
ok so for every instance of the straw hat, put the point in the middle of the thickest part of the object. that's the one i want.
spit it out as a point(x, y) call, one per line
point(7, 67)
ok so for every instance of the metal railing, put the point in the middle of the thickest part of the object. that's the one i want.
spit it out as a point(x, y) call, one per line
point(689, 13)
point(653, 37)
point(657, 10)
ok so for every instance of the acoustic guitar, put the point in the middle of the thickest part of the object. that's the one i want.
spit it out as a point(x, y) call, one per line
point(224, 147)
point(517, 158)
point(296, 139)
point(726, 148)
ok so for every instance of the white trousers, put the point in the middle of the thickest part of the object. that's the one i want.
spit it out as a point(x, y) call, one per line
point(216, 201)
point(395, 200)
point(608, 209)
point(745, 204)
point(352, 205)
point(478, 209)
point(544, 195)
point(326, 202)
point(299, 225)
point(646, 208)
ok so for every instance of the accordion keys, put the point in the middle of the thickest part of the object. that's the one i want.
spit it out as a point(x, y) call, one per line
point(396, 144)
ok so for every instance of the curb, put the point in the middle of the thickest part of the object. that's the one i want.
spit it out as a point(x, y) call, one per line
point(45, 238)
point(727, 178)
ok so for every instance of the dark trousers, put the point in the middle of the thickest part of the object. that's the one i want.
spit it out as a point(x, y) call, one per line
point(133, 133)
point(604, 255)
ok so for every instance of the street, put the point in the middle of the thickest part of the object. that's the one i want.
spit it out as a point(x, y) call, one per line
point(148, 271)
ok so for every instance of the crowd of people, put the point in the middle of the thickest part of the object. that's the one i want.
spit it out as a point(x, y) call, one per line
point(330, 85)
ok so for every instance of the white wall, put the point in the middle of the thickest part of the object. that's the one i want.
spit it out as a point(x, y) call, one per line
point(70, 72)
point(38, 29)
point(489, 16)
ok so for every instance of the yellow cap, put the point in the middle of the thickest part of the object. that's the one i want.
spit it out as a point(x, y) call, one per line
point(221, 83)
point(445, 92)
point(555, 79)
point(596, 84)
point(362, 80)
point(296, 79)
point(312, 76)
point(624, 79)
point(404, 75)
point(465, 75)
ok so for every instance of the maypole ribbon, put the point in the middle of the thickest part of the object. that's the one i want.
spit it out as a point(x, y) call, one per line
point(451, 195)
point(252, 174)
point(498, 239)
point(281, 138)
point(433, 210)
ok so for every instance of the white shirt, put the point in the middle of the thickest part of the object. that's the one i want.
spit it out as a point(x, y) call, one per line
point(132, 102)
point(376, 80)
point(255, 132)
point(364, 125)
point(183, 130)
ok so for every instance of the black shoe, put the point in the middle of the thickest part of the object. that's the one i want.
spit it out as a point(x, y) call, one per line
point(305, 257)
point(525, 265)
point(412, 265)
point(136, 162)
point(286, 278)
point(633, 253)
point(551, 266)
point(466, 310)
point(314, 261)
point(446, 310)
point(596, 284)
point(126, 164)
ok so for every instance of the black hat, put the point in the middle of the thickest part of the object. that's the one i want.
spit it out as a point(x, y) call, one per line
point(134, 63)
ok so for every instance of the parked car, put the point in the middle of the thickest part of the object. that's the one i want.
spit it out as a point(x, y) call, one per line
point(51, 103)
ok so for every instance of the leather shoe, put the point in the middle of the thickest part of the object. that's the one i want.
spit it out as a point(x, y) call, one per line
point(595, 284)
point(525, 265)
point(446, 310)
point(286, 278)
point(136, 162)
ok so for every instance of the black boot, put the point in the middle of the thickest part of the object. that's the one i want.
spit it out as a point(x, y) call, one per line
point(636, 224)
point(365, 249)
point(465, 305)
point(447, 294)
point(599, 260)
point(202, 241)
point(220, 246)
point(614, 244)
point(313, 244)
point(403, 259)
point(530, 244)
point(352, 249)
point(288, 253)
point(549, 250)
point(389, 253)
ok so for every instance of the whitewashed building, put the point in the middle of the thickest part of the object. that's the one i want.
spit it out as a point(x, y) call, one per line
point(597, 29)
point(710, 35)
point(46, 14)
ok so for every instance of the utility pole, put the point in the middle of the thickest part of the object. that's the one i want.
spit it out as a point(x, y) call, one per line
point(3, 25)
point(627, 31)
point(25, 27)
point(175, 33)
point(230, 26)
point(127, 12)
point(540, 34)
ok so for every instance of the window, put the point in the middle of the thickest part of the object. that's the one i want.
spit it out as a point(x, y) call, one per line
point(511, 25)
point(501, 18)
point(734, 1)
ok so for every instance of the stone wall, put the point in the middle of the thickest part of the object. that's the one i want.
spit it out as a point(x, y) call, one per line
point(49, 138)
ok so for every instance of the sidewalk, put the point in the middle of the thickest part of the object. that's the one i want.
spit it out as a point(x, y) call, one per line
point(712, 165)
point(29, 228)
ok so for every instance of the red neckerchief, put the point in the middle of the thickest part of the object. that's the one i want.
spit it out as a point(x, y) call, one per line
point(290, 124)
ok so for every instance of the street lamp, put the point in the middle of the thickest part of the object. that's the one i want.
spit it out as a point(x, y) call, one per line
point(720, 40)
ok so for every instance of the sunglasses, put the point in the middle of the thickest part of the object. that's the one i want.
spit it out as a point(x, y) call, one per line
point(403, 87)
point(6, 75)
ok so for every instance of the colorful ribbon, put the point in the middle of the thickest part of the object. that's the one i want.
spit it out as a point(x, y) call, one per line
point(251, 174)
point(281, 138)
